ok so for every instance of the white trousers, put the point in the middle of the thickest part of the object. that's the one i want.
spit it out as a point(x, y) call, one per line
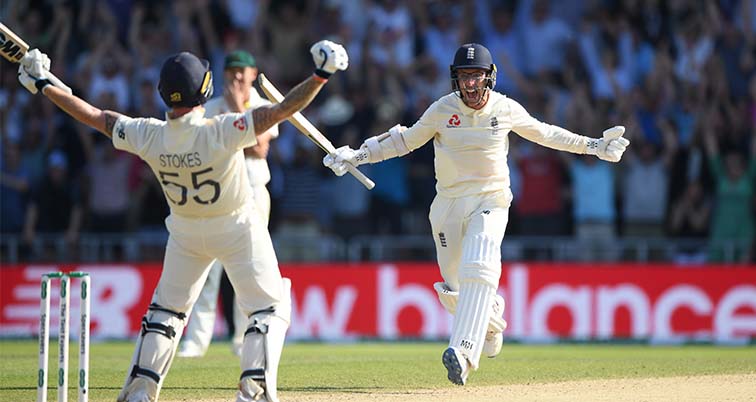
point(239, 241)
point(476, 222)
point(199, 331)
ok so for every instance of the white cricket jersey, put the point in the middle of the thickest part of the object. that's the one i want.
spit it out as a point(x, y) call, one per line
point(198, 161)
point(257, 168)
point(471, 145)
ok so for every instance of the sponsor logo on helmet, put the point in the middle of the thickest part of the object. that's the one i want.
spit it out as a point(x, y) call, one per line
point(176, 97)
point(454, 121)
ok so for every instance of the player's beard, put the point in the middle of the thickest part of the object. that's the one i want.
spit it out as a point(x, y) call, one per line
point(474, 99)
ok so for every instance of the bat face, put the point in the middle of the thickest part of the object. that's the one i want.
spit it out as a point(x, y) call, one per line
point(11, 46)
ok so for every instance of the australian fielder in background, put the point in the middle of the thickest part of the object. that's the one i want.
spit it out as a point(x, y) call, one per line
point(200, 164)
point(470, 128)
point(239, 72)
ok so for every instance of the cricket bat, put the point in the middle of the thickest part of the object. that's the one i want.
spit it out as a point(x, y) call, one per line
point(309, 130)
point(14, 49)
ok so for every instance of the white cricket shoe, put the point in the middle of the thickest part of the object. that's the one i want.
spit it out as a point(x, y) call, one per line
point(249, 391)
point(457, 366)
point(187, 349)
point(139, 390)
point(492, 344)
point(236, 348)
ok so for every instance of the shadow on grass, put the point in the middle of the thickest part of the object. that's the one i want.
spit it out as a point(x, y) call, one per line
point(348, 390)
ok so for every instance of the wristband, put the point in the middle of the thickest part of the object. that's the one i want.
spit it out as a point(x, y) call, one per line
point(323, 74)
point(41, 84)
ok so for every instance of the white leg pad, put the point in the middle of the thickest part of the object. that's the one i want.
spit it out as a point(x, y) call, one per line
point(155, 349)
point(471, 320)
point(448, 299)
point(261, 351)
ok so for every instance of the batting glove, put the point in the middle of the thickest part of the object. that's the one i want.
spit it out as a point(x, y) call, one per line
point(328, 57)
point(339, 160)
point(32, 83)
point(610, 146)
point(33, 70)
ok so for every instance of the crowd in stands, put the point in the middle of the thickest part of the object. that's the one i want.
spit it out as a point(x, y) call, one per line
point(679, 74)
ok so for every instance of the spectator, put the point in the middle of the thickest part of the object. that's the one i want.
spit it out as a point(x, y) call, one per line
point(298, 210)
point(55, 206)
point(107, 175)
point(593, 200)
point(646, 184)
point(546, 38)
point(15, 183)
point(540, 204)
point(689, 220)
point(733, 226)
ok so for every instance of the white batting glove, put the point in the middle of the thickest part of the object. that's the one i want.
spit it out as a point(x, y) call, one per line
point(36, 62)
point(340, 159)
point(328, 57)
point(33, 71)
point(32, 83)
point(610, 146)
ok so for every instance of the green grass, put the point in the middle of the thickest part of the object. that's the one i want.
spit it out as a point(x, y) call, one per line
point(363, 367)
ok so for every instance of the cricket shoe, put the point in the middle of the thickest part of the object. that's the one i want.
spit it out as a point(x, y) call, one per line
point(236, 348)
point(189, 350)
point(250, 390)
point(457, 366)
point(492, 344)
point(139, 390)
point(494, 337)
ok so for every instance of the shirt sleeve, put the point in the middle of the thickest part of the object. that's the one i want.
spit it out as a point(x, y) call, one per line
point(422, 131)
point(237, 130)
point(548, 135)
point(129, 134)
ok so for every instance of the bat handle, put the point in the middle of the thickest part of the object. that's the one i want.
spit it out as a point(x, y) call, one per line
point(369, 184)
point(58, 83)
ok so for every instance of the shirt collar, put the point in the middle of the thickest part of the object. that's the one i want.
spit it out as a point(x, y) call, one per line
point(194, 118)
point(470, 111)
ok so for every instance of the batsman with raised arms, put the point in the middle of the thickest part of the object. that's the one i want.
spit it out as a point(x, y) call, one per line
point(469, 214)
point(200, 163)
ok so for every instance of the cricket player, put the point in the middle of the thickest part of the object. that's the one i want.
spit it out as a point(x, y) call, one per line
point(469, 214)
point(239, 72)
point(200, 165)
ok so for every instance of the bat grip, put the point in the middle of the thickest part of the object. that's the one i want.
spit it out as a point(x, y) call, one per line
point(369, 184)
point(58, 83)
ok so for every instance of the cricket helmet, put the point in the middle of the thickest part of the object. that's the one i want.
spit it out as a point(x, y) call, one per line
point(473, 55)
point(185, 81)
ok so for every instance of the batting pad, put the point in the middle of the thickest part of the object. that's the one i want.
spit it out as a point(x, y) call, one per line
point(261, 350)
point(448, 299)
point(156, 347)
point(471, 320)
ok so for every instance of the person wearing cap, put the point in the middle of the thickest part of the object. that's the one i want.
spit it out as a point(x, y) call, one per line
point(469, 128)
point(199, 163)
point(239, 73)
